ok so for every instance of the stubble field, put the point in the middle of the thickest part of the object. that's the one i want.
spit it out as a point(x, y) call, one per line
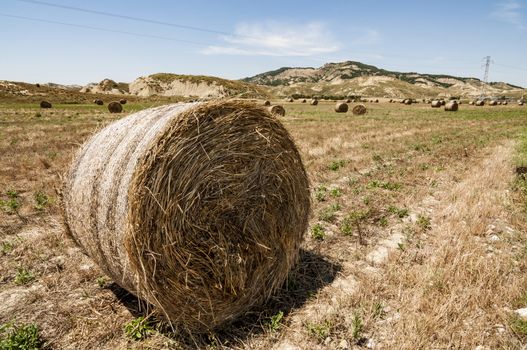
point(416, 240)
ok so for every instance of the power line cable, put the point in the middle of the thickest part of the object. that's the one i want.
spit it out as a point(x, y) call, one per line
point(132, 18)
point(105, 29)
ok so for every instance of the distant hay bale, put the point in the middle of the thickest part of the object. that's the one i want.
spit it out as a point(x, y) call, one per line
point(304, 100)
point(341, 107)
point(499, 103)
point(390, 101)
point(314, 102)
point(37, 85)
point(408, 101)
point(98, 102)
point(520, 103)
point(443, 102)
point(122, 101)
point(359, 110)
point(376, 101)
point(480, 103)
point(198, 208)
point(504, 103)
point(290, 99)
point(436, 104)
point(267, 103)
point(471, 103)
point(348, 100)
point(277, 110)
point(115, 107)
point(45, 104)
point(451, 106)
point(493, 103)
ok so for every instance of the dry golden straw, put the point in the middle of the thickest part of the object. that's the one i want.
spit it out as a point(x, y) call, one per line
point(198, 208)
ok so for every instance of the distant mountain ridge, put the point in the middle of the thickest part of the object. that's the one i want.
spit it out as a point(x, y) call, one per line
point(352, 78)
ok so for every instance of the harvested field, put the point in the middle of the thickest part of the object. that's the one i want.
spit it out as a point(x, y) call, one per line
point(416, 240)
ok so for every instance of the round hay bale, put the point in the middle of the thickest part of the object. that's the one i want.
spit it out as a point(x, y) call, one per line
point(341, 107)
point(390, 101)
point(408, 101)
point(493, 103)
point(443, 102)
point(115, 107)
point(504, 103)
point(198, 208)
point(304, 100)
point(37, 85)
point(98, 102)
point(277, 110)
point(451, 106)
point(45, 104)
point(520, 103)
point(267, 103)
point(314, 102)
point(480, 103)
point(471, 103)
point(359, 110)
point(376, 101)
point(436, 104)
point(122, 101)
point(290, 99)
point(348, 100)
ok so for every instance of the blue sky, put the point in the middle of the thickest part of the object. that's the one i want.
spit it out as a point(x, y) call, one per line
point(242, 38)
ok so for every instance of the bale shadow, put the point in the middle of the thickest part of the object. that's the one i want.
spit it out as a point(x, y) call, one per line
point(312, 272)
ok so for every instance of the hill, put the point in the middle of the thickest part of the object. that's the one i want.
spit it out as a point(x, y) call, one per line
point(356, 78)
point(199, 86)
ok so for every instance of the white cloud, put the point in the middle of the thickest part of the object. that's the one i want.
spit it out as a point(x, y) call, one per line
point(510, 11)
point(276, 39)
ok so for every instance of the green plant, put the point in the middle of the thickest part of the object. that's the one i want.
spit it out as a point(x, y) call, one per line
point(518, 325)
point(6, 247)
point(335, 192)
point(320, 330)
point(23, 276)
point(138, 328)
point(19, 337)
point(357, 326)
point(336, 165)
point(12, 204)
point(399, 212)
point(318, 232)
point(424, 222)
point(383, 222)
point(41, 200)
point(275, 321)
point(354, 220)
point(327, 215)
point(392, 186)
point(101, 281)
point(320, 193)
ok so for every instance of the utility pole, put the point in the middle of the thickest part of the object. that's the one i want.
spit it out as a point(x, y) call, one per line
point(485, 77)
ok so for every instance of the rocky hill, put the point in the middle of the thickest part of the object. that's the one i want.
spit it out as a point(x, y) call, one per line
point(166, 84)
point(106, 86)
point(355, 78)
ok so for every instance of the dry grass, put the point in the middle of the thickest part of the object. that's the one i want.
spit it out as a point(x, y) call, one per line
point(382, 263)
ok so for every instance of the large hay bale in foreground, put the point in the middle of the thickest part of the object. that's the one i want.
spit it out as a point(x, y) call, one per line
point(115, 107)
point(341, 107)
point(45, 104)
point(198, 208)
point(314, 102)
point(359, 110)
point(451, 106)
point(277, 110)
